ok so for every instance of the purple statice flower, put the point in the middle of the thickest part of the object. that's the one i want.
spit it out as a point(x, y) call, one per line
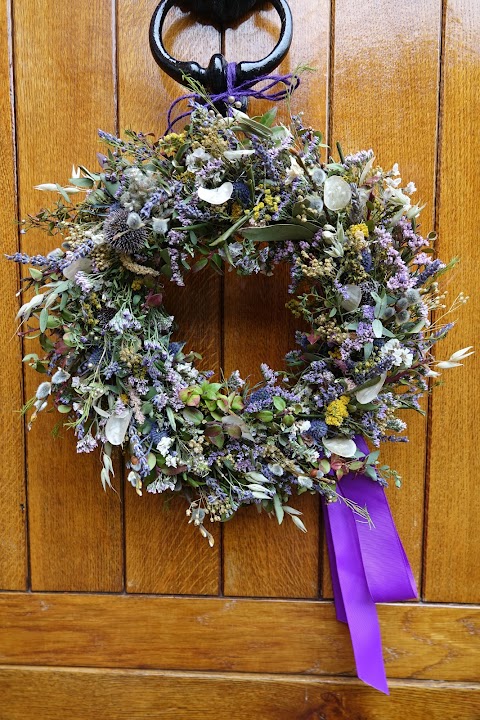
point(430, 270)
point(323, 383)
point(84, 282)
point(213, 456)
point(244, 496)
point(119, 407)
point(301, 339)
point(153, 345)
point(422, 258)
point(315, 371)
point(365, 332)
point(348, 347)
point(217, 492)
point(86, 444)
point(368, 312)
point(370, 427)
point(177, 384)
point(235, 382)
point(400, 278)
point(161, 399)
point(266, 157)
point(414, 241)
point(247, 265)
point(293, 357)
point(341, 290)
point(153, 371)
point(124, 320)
point(211, 172)
point(175, 259)
point(383, 238)
point(141, 385)
point(161, 485)
point(80, 428)
point(245, 457)
point(269, 374)
point(359, 158)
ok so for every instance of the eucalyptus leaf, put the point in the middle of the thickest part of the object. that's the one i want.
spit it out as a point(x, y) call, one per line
point(43, 319)
point(369, 393)
point(151, 460)
point(278, 233)
point(171, 418)
point(377, 328)
point(36, 274)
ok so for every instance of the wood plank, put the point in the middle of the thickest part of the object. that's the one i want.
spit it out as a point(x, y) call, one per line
point(80, 694)
point(64, 92)
point(13, 557)
point(452, 569)
point(384, 96)
point(423, 642)
point(182, 561)
point(258, 327)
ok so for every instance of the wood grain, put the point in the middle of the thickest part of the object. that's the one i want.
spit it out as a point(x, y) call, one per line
point(384, 96)
point(81, 694)
point(64, 92)
point(258, 327)
point(174, 558)
point(273, 636)
point(13, 558)
point(452, 568)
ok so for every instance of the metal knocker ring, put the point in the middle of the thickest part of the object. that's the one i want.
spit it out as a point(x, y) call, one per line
point(214, 76)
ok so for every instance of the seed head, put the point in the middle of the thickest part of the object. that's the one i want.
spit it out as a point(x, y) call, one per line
point(123, 231)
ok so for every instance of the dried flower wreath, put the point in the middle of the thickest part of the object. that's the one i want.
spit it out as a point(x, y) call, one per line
point(245, 193)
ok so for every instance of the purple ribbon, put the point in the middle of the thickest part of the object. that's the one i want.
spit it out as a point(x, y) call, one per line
point(368, 564)
point(238, 92)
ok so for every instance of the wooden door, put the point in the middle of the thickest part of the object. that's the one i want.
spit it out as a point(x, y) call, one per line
point(110, 605)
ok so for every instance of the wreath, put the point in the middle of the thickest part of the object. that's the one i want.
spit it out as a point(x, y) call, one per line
point(249, 194)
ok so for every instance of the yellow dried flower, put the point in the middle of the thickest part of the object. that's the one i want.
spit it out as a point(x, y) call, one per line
point(361, 228)
point(337, 411)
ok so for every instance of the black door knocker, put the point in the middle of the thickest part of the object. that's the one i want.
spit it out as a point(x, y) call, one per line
point(214, 77)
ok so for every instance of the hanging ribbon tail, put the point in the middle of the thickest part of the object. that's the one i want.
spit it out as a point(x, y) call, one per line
point(368, 565)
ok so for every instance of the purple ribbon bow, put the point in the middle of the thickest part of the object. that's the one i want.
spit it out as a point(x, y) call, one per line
point(368, 564)
point(238, 92)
